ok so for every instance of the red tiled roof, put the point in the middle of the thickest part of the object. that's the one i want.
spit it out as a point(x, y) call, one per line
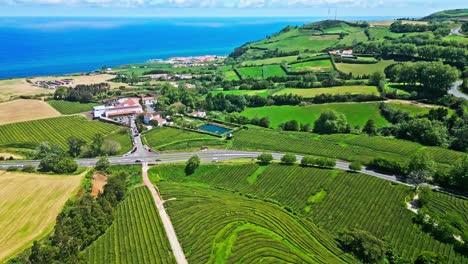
point(124, 112)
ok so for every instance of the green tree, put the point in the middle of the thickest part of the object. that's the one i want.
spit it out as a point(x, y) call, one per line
point(60, 93)
point(133, 78)
point(265, 158)
point(420, 169)
point(110, 147)
point(308, 161)
point(48, 162)
point(96, 144)
point(288, 159)
point(29, 169)
point(102, 163)
point(370, 128)
point(74, 146)
point(376, 77)
point(65, 165)
point(355, 166)
point(331, 122)
point(292, 125)
point(459, 174)
point(192, 164)
point(363, 245)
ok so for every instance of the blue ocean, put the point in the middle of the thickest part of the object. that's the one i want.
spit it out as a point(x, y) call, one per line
point(47, 46)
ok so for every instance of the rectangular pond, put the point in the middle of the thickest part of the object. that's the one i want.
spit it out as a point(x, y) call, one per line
point(215, 129)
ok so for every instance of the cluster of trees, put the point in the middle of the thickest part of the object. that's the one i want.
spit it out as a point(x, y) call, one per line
point(293, 125)
point(400, 27)
point(309, 161)
point(453, 55)
point(80, 223)
point(81, 93)
point(236, 103)
point(436, 78)
point(421, 168)
point(54, 159)
point(99, 146)
point(364, 245)
point(434, 129)
point(192, 164)
point(331, 122)
point(243, 120)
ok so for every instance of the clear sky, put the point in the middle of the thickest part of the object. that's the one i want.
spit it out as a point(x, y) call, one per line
point(226, 8)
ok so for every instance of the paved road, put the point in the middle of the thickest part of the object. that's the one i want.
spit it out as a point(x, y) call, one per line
point(455, 92)
point(205, 156)
point(170, 231)
point(456, 31)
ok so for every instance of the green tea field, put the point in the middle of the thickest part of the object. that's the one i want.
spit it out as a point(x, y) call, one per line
point(175, 139)
point(54, 130)
point(70, 108)
point(331, 199)
point(136, 236)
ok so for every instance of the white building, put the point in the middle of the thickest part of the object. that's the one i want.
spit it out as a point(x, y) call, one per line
point(125, 106)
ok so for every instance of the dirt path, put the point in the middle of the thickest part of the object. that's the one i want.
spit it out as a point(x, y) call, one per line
point(413, 204)
point(171, 234)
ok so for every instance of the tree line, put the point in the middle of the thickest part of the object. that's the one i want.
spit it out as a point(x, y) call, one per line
point(82, 220)
point(81, 93)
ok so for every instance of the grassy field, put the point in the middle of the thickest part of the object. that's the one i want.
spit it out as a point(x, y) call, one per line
point(331, 199)
point(356, 113)
point(70, 108)
point(136, 236)
point(277, 60)
point(457, 39)
point(254, 72)
point(231, 76)
point(299, 43)
point(339, 146)
point(353, 38)
point(318, 65)
point(273, 71)
point(176, 139)
point(413, 110)
point(55, 130)
point(25, 110)
point(381, 33)
point(361, 69)
point(216, 226)
point(28, 208)
point(124, 140)
point(307, 93)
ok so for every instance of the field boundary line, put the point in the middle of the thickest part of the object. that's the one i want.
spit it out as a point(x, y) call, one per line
point(168, 227)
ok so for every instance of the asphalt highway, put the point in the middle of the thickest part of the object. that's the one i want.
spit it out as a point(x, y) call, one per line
point(205, 156)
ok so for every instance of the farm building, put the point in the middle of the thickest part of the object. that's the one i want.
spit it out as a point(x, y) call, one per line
point(125, 106)
point(156, 117)
point(198, 114)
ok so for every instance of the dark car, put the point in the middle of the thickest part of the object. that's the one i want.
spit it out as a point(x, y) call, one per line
point(158, 160)
point(137, 161)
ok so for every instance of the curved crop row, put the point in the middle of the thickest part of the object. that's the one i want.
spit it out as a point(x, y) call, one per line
point(136, 236)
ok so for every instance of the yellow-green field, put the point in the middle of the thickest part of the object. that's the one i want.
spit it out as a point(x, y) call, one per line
point(29, 205)
point(311, 92)
point(361, 69)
